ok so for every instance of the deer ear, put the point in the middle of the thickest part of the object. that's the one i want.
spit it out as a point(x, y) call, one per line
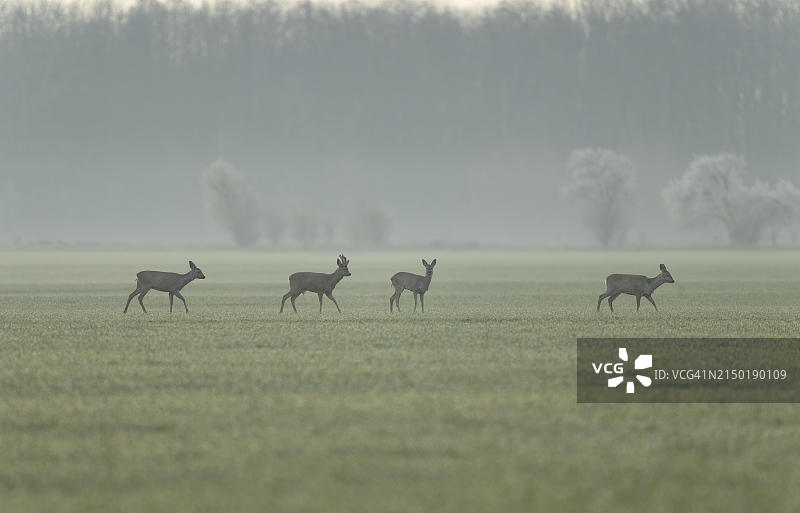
point(433, 263)
point(662, 267)
point(339, 262)
point(191, 265)
point(424, 263)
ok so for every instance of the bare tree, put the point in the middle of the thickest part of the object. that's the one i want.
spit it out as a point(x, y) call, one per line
point(713, 190)
point(370, 226)
point(603, 182)
point(230, 199)
point(305, 229)
point(274, 226)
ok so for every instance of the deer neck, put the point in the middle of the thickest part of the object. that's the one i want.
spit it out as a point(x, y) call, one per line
point(186, 279)
point(655, 282)
point(336, 277)
point(427, 279)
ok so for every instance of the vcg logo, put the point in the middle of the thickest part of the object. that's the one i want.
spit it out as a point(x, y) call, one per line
point(644, 361)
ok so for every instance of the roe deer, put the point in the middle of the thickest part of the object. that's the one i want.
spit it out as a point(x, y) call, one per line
point(320, 283)
point(635, 285)
point(164, 282)
point(413, 282)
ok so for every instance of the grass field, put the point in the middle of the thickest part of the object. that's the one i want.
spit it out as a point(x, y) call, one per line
point(469, 407)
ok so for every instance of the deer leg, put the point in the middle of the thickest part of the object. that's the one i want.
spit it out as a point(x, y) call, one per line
point(137, 291)
point(330, 296)
point(651, 300)
point(292, 298)
point(171, 296)
point(600, 299)
point(141, 297)
point(397, 293)
point(415, 301)
point(611, 299)
point(184, 301)
point(638, 301)
point(285, 297)
point(320, 301)
point(422, 301)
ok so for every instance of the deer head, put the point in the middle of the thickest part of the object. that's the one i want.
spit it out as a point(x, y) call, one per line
point(196, 272)
point(665, 274)
point(342, 262)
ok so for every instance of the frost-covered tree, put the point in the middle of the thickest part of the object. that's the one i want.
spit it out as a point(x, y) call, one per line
point(787, 198)
point(713, 190)
point(229, 197)
point(602, 181)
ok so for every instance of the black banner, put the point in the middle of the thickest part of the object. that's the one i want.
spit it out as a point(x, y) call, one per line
point(701, 370)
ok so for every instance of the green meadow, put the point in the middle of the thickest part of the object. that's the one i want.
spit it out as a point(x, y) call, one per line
point(470, 406)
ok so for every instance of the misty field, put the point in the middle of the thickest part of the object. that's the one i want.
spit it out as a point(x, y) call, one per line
point(469, 407)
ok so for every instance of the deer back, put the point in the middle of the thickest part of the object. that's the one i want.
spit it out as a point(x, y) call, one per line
point(163, 281)
point(410, 281)
point(627, 283)
point(311, 282)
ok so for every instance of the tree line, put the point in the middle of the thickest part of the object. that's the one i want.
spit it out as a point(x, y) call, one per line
point(696, 73)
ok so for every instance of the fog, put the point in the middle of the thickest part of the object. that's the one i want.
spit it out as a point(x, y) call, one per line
point(393, 124)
